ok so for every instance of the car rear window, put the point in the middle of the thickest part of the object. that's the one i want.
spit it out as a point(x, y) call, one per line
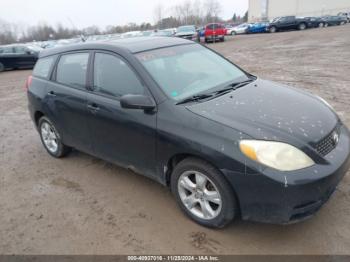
point(43, 66)
point(71, 69)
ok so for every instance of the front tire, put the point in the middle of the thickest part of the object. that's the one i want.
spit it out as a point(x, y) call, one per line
point(51, 139)
point(203, 193)
point(273, 29)
point(302, 26)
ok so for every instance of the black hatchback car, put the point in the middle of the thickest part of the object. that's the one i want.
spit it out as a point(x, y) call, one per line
point(227, 143)
point(332, 20)
point(18, 56)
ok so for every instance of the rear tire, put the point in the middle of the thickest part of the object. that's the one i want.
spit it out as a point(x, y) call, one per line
point(51, 139)
point(2, 67)
point(320, 25)
point(203, 193)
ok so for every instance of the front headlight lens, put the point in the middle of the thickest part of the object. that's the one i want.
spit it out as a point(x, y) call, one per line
point(278, 155)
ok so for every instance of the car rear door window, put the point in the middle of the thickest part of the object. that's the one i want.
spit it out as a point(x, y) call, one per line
point(72, 68)
point(43, 66)
point(112, 76)
point(21, 49)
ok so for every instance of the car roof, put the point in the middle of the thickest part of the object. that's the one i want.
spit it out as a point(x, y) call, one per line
point(131, 45)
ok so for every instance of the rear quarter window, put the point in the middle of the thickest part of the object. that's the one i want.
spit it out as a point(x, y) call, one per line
point(43, 66)
point(72, 69)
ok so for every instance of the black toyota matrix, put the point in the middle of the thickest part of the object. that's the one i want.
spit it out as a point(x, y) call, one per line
point(227, 143)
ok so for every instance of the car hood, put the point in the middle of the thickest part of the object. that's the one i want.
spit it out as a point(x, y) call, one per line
point(271, 111)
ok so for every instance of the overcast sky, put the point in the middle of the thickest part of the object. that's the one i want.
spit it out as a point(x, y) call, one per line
point(83, 13)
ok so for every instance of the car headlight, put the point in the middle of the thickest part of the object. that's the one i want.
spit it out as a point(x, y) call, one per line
point(277, 155)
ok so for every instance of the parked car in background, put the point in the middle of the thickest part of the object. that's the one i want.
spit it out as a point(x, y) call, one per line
point(331, 20)
point(165, 32)
point(214, 32)
point(229, 29)
point(49, 44)
point(18, 56)
point(147, 33)
point(131, 34)
point(345, 14)
point(285, 23)
point(187, 32)
point(259, 27)
point(240, 29)
point(313, 22)
point(179, 113)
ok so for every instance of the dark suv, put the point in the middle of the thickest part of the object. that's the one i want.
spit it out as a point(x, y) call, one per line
point(285, 23)
point(224, 141)
point(18, 56)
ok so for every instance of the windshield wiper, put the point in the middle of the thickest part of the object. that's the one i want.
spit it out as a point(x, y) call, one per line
point(194, 98)
point(211, 95)
point(234, 86)
point(231, 87)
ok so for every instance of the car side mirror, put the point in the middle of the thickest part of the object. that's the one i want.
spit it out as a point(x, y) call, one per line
point(137, 102)
point(28, 52)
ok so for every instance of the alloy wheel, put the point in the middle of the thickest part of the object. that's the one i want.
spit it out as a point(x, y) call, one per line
point(49, 136)
point(199, 195)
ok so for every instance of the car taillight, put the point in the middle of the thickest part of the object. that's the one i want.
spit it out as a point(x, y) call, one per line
point(28, 82)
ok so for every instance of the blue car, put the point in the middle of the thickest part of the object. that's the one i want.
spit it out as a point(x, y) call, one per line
point(257, 27)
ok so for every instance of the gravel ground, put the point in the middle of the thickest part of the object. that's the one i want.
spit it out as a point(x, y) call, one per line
point(82, 205)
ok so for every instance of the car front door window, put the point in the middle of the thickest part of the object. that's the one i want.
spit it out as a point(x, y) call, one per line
point(112, 76)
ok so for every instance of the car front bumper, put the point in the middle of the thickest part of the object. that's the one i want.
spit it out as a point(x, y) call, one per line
point(278, 197)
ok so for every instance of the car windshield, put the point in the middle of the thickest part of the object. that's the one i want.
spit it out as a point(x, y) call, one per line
point(186, 29)
point(187, 70)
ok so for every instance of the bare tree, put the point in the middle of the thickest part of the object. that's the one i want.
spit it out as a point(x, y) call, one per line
point(198, 11)
point(212, 9)
point(158, 13)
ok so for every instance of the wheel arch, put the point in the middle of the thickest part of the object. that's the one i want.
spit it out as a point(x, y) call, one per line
point(177, 158)
point(37, 116)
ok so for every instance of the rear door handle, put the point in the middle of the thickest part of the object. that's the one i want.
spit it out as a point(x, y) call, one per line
point(93, 108)
point(51, 93)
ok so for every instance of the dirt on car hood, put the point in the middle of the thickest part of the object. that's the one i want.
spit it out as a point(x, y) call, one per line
point(270, 111)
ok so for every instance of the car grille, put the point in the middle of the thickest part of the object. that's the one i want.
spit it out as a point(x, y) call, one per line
point(327, 144)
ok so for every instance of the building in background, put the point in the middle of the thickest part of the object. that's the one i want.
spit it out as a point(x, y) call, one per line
point(268, 9)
